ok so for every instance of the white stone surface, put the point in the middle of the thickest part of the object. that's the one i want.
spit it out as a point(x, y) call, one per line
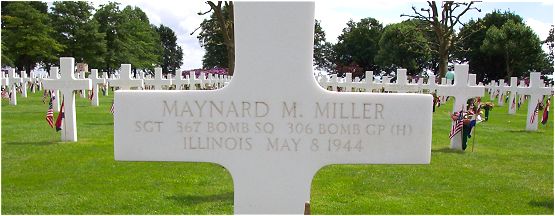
point(96, 83)
point(245, 125)
point(536, 91)
point(67, 84)
point(159, 81)
point(14, 81)
point(83, 91)
point(461, 91)
point(125, 82)
point(24, 81)
point(56, 98)
point(512, 97)
point(180, 82)
point(402, 85)
point(501, 92)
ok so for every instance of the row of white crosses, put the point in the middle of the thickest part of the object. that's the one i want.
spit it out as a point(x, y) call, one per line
point(368, 84)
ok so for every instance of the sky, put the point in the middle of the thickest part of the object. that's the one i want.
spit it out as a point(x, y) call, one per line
point(182, 17)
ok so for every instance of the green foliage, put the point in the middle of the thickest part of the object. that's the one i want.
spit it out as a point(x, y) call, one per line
point(26, 36)
point(172, 55)
point(358, 45)
point(212, 40)
point(130, 37)
point(109, 18)
point(78, 32)
point(403, 45)
point(487, 59)
point(509, 172)
point(140, 41)
point(322, 49)
point(518, 43)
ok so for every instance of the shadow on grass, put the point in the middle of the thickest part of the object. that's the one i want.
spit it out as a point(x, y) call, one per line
point(35, 143)
point(97, 123)
point(547, 203)
point(448, 150)
point(524, 131)
point(197, 199)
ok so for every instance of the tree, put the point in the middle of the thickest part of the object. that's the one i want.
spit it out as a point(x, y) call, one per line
point(403, 45)
point(212, 40)
point(26, 35)
point(109, 18)
point(172, 55)
point(141, 45)
point(357, 46)
point(78, 32)
point(223, 17)
point(443, 23)
point(517, 43)
point(486, 64)
point(550, 45)
point(322, 49)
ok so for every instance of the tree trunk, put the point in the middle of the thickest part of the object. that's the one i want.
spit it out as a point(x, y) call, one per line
point(443, 62)
point(508, 66)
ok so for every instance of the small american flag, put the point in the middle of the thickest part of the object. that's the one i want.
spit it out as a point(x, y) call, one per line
point(91, 94)
point(457, 127)
point(513, 105)
point(44, 95)
point(533, 117)
point(5, 94)
point(50, 114)
point(112, 107)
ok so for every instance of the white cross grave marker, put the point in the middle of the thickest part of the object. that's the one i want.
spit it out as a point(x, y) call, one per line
point(13, 81)
point(179, 81)
point(461, 91)
point(272, 166)
point(431, 85)
point(512, 97)
point(56, 93)
point(106, 84)
point(536, 91)
point(159, 81)
point(193, 81)
point(371, 84)
point(83, 91)
point(96, 81)
point(501, 89)
point(24, 81)
point(443, 99)
point(402, 85)
point(125, 82)
point(67, 83)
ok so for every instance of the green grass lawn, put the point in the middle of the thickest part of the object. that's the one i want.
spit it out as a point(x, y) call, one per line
point(509, 172)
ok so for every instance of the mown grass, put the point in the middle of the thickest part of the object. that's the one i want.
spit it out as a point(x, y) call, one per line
point(509, 172)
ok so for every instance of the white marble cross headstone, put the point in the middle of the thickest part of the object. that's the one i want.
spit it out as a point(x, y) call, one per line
point(83, 91)
point(370, 83)
point(461, 91)
point(67, 83)
point(431, 85)
point(193, 81)
point(334, 82)
point(56, 93)
point(96, 81)
point(402, 85)
point(24, 80)
point(4, 80)
point(536, 91)
point(443, 99)
point(106, 84)
point(501, 89)
point(179, 81)
point(512, 97)
point(271, 138)
point(159, 81)
point(125, 82)
point(13, 82)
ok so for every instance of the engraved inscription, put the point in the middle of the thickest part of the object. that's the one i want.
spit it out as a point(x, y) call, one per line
point(208, 125)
